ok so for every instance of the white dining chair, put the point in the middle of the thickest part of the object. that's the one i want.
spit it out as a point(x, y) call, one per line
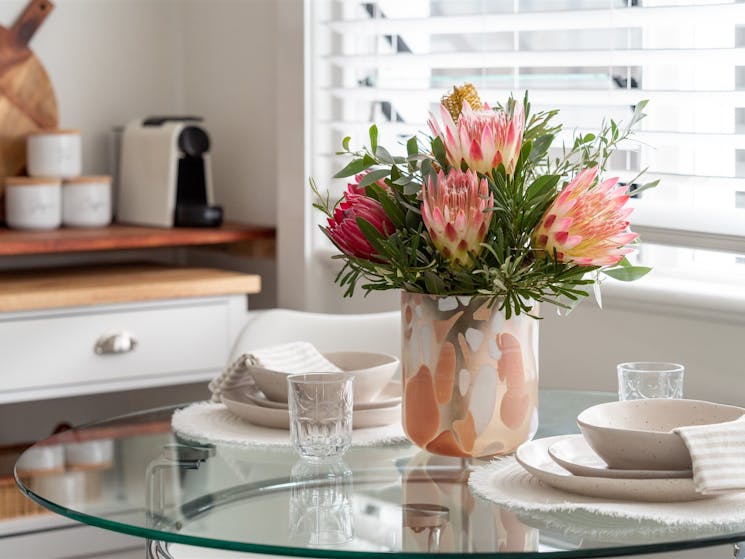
point(379, 332)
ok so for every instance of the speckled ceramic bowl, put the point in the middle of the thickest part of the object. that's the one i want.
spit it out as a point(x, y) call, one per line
point(638, 434)
point(371, 372)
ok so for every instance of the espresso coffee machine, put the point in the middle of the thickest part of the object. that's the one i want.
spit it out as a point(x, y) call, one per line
point(165, 177)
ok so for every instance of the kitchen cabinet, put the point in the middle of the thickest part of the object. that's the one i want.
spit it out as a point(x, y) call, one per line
point(92, 329)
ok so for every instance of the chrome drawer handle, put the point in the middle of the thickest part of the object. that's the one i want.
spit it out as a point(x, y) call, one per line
point(121, 342)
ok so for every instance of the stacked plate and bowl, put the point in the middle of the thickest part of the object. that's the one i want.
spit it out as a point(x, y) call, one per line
point(627, 450)
point(377, 397)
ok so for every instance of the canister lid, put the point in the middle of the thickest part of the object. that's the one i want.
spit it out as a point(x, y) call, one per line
point(87, 179)
point(32, 181)
point(51, 131)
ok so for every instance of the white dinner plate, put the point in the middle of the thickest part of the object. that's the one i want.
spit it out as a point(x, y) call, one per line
point(235, 400)
point(390, 396)
point(574, 454)
point(534, 457)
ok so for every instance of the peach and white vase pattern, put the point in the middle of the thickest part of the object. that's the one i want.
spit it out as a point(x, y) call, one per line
point(470, 376)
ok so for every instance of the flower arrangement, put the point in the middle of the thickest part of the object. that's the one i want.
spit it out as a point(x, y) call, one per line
point(481, 207)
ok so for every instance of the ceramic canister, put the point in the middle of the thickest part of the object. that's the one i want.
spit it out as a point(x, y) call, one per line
point(42, 459)
point(67, 488)
point(86, 454)
point(33, 202)
point(86, 201)
point(54, 153)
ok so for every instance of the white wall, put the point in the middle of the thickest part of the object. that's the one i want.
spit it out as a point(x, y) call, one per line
point(109, 62)
point(115, 60)
point(229, 58)
point(581, 350)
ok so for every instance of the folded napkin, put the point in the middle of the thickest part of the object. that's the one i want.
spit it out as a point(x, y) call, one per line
point(291, 358)
point(718, 456)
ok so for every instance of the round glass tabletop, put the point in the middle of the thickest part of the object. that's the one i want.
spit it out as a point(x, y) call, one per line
point(133, 474)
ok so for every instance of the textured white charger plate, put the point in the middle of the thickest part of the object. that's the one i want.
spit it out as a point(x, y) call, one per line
point(215, 423)
point(390, 396)
point(534, 457)
point(574, 454)
point(236, 401)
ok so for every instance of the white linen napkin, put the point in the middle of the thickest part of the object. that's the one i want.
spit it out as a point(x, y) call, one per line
point(291, 358)
point(718, 456)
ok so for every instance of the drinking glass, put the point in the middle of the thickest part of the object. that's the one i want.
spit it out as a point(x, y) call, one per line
point(320, 510)
point(320, 413)
point(650, 379)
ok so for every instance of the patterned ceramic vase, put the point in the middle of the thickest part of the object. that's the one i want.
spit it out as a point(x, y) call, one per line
point(470, 376)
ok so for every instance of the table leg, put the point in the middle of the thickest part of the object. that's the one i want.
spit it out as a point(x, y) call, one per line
point(739, 550)
point(155, 549)
point(173, 457)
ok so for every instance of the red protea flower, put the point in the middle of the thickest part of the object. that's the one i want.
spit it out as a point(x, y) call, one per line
point(344, 230)
point(587, 225)
point(455, 213)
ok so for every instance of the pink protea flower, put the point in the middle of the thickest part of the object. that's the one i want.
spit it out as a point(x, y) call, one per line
point(455, 213)
point(345, 232)
point(482, 138)
point(587, 225)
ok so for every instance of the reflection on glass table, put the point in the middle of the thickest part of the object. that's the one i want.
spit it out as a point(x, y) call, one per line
point(394, 500)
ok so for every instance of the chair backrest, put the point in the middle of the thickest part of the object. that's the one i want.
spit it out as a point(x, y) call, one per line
point(328, 332)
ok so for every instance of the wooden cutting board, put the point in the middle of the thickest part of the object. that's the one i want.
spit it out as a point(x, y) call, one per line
point(27, 100)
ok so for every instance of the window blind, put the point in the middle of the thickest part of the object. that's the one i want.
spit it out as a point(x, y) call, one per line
point(390, 61)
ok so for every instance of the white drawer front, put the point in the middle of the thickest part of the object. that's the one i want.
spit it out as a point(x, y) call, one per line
point(59, 349)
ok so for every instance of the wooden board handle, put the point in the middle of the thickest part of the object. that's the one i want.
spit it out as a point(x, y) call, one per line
point(30, 20)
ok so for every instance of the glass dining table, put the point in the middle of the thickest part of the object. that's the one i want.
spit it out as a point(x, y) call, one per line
point(392, 501)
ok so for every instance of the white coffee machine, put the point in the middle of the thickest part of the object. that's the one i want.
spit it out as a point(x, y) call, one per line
point(165, 177)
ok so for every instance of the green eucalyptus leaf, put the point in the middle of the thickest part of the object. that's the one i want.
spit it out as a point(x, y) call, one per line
point(395, 173)
point(542, 186)
point(438, 149)
point(391, 209)
point(412, 148)
point(426, 168)
point(373, 138)
point(540, 147)
point(373, 176)
point(412, 188)
point(353, 167)
point(413, 219)
point(383, 155)
point(345, 143)
point(627, 273)
point(645, 186)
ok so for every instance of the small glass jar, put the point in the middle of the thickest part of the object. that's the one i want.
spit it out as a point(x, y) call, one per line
point(86, 201)
point(33, 202)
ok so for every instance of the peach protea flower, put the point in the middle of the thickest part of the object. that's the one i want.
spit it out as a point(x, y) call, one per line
point(481, 138)
point(344, 230)
point(586, 225)
point(455, 213)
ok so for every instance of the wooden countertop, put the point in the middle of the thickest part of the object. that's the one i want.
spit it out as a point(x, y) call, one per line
point(100, 285)
point(120, 237)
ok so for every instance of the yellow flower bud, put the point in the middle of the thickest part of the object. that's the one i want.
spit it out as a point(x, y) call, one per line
point(454, 101)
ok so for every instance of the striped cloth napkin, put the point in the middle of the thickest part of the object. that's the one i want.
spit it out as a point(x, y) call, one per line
point(291, 358)
point(718, 456)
